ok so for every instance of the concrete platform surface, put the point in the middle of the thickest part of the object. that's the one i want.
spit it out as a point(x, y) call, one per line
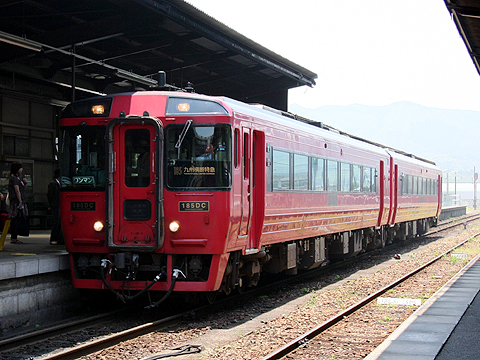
point(35, 256)
point(445, 327)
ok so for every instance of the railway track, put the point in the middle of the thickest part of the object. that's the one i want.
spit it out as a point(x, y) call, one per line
point(104, 342)
point(312, 333)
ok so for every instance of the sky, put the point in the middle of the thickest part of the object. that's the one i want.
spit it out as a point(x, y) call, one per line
point(374, 52)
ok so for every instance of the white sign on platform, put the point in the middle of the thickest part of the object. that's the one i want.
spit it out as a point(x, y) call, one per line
point(459, 256)
point(399, 301)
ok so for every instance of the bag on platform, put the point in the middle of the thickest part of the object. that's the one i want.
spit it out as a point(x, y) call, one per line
point(21, 224)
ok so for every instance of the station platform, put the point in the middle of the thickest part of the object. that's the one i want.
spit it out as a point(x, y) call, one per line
point(35, 283)
point(35, 256)
point(444, 327)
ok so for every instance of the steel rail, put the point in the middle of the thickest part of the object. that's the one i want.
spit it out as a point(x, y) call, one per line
point(111, 340)
point(43, 334)
point(114, 339)
point(307, 336)
point(39, 335)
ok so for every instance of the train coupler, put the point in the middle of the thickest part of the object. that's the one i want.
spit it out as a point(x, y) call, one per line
point(175, 274)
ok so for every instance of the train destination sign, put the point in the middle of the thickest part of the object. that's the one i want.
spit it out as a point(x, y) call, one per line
point(194, 170)
point(194, 206)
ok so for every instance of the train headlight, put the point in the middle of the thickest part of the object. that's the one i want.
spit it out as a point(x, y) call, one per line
point(174, 226)
point(98, 226)
point(98, 109)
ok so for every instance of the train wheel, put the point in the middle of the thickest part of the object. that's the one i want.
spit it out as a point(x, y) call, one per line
point(241, 286)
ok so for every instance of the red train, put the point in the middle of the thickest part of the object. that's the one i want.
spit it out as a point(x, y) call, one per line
point(174, 191)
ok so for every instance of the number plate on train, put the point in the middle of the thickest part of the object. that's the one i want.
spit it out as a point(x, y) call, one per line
point(194, 206)
point(83, 206)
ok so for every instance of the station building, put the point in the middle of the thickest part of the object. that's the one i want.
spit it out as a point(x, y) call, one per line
point(62, 50)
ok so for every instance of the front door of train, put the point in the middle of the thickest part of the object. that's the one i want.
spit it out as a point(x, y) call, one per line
point(246, 184)
point(253, 188)
point(134, 206)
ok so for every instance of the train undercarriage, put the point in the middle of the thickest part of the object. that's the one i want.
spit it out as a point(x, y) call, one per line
point(242, 271)
point(306, 254)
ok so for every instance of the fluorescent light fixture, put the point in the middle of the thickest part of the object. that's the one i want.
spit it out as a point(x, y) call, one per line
point(137, 78)
point(19, 41)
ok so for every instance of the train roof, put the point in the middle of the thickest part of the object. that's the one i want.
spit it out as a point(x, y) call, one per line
point(295, 120)
point(291, 120)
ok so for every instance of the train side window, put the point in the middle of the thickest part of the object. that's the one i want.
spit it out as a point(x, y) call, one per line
point(246, 157)
point(425, 192)
point(410, 184)
point(237, 143)
point(344, 177)
point(332, 175)
point(366, 179)
point(300, 172)
point(318, 174)
point(415, 185)
point(373, 188)
point(356, 178)
point(281, 170)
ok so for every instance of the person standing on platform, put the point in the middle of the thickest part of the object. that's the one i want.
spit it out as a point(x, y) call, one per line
point(18, 204)
point(53, 195)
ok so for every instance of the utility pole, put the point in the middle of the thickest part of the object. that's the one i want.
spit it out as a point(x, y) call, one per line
point(475, 177)
point(448, 187)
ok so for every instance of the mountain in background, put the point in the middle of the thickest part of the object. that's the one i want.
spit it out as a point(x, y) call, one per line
point(450, 138)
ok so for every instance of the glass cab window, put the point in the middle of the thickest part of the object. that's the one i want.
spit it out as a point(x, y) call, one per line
point(137, 158)
point(83, 157)
point(198, 156)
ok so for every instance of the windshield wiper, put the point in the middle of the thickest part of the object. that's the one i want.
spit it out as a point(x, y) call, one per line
point(183, 133)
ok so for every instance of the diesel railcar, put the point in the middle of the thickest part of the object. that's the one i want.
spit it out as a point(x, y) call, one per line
point(175, 191)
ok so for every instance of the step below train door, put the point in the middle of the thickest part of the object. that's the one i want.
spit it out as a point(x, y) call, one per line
point(135, 198)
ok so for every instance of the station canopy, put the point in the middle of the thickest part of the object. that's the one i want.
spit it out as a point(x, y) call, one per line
point(466, 14)
point(117, 45)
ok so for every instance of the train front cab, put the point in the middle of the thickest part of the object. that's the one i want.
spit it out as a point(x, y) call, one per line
point(140, 190)
point(112, 196)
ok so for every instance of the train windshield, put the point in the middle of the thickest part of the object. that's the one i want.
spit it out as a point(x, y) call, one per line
point(82, 149)
point(198, 156)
